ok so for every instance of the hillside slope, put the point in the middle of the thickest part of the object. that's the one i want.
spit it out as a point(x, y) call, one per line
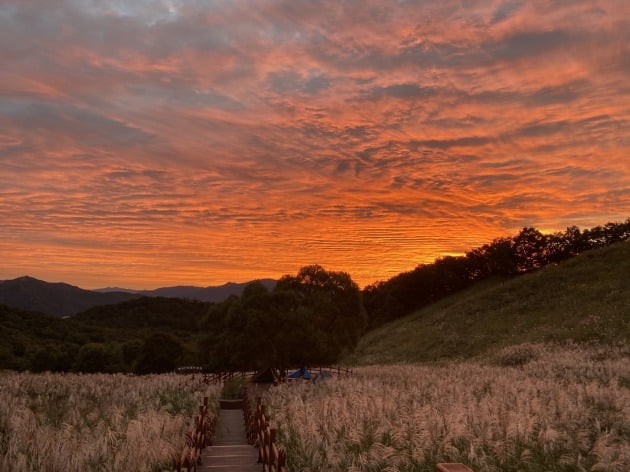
point(166, 314)
point(585, 299)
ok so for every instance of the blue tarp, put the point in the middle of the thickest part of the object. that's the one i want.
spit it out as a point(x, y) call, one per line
point(300, 374)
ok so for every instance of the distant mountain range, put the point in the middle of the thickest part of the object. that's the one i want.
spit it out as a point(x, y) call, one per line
point(61, 299)
point(203, 294)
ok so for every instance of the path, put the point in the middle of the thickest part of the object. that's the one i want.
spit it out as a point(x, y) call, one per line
point(230, 451)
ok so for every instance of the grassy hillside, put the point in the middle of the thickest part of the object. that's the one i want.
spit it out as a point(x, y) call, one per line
point(585, 299)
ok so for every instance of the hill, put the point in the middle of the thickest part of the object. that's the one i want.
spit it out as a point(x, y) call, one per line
point(215, 294)
point(27, 335)
point(36, 341)
point(584, 299)
point(61, 299)
point(167, 314)
point(56, 299)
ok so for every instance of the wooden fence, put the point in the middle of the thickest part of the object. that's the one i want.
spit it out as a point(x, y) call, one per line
point(196, 441)
point(260, 433)
point(220, 377)
point(280, 375)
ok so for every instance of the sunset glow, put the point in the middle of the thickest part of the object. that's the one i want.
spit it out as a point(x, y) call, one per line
point(149, 143)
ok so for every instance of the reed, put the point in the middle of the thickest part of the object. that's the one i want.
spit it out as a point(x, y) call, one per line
point(73, 422)
point(557, 409)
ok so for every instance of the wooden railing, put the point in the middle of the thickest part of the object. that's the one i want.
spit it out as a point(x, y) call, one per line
point(196, 441)
point(339, 371)
point(220, 377)
point(280, 375)
point(260, 433)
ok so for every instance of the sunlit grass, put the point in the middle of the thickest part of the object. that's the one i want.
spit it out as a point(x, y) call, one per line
point(556, 410)
point(70, 422)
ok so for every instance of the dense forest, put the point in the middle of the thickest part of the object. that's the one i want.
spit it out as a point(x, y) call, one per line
point(314, 317)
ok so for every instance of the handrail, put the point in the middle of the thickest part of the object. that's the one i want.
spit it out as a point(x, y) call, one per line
point(196, 441)
point(260, 433)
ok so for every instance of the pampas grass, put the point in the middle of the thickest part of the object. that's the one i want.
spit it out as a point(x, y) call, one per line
point(72, 422)
point(562, 410)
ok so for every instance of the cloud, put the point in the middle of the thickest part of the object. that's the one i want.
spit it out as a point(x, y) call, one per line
point(232, 140)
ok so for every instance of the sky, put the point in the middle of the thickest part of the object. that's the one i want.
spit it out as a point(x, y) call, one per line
point(149, 143)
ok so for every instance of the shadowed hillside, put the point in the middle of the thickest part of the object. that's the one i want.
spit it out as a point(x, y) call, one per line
point(56, 299)
point(172, 314)
point(117, 333)
point(584, 299)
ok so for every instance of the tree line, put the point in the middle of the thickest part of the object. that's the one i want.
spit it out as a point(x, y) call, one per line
point(313, 317)
point(528, 251)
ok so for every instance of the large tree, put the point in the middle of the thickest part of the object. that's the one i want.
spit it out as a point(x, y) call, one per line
point(331, 308)
point(310, 318)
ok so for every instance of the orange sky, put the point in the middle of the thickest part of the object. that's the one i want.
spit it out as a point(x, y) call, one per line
point(166, 142)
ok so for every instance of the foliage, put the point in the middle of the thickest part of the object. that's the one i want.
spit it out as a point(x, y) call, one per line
point(309, 318)
point(112, 335)
point(565, 410)
point(585, 300)
point(317, 316)
point(528, 251)
point(92, 357)
point(60, 422)
point(147, 312)
point(233, 388)
point(160, 353)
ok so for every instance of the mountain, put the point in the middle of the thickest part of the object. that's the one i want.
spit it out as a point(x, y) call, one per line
point(202, 294)
point(115, 289)
point(61, 299)
point(57, 299)
point(585, 299)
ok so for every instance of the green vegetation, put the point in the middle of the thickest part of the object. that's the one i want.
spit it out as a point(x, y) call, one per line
point(528, 288)
point(311, 318)
point(528, 251)
point(143, 335)
point(233, 388)
point(585, 299)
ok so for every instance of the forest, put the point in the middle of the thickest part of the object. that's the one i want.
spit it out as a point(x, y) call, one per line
point(314, 317)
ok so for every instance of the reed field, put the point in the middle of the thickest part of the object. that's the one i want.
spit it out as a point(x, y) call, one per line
point(98, 422)
point(528, 408)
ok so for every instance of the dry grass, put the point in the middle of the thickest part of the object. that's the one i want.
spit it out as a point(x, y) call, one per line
point(555, 410)
point(70, 422)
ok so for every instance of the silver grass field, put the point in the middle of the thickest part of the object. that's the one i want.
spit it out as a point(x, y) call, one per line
point(101, 422)
point(529, 408)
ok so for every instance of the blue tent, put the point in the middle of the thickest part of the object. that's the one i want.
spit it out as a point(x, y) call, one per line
point(300, 374)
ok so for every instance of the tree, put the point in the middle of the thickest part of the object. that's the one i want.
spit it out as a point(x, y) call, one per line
point(92, 357)
point(332, 308)
point(307, 319)
point(530, 248)
point(44, 359)
point(160, 353)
